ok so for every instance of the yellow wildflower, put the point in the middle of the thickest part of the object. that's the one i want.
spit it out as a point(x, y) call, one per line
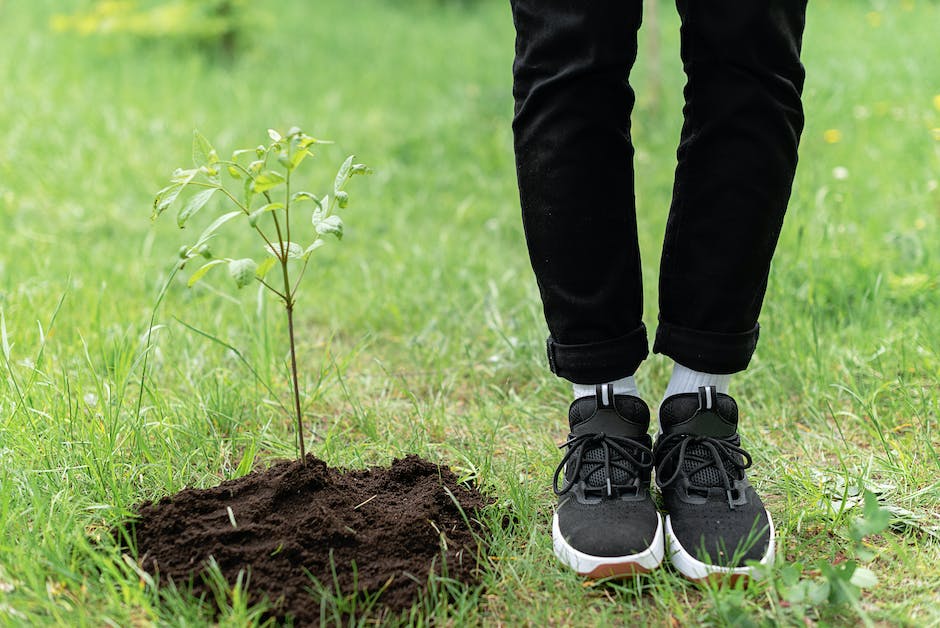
point(832, 136)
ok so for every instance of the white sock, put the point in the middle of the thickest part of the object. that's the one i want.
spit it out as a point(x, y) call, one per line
point(685, 380)
point(622, 386)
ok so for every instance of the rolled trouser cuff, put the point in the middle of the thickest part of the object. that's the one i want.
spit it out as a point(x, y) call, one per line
point(599, 362)
point(706, 351)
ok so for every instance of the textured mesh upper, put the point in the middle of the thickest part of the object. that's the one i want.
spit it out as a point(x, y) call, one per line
point(595, 475)
point(709, 476)
point(683, 407)
point(597, 478)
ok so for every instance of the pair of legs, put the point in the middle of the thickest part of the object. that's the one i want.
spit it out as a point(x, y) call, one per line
point(737, 157)
point(736, 161)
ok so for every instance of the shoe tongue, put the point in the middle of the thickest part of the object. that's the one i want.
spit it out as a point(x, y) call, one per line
point(626, 416)
point(705, 413)
point(614, 415)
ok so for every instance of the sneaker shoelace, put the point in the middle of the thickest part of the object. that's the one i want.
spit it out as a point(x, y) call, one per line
point(631, 458)
point(694, 456)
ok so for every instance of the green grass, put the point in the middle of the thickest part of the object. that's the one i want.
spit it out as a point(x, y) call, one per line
point(422, 332)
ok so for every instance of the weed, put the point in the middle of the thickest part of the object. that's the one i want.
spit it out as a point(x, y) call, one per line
point(830, 586)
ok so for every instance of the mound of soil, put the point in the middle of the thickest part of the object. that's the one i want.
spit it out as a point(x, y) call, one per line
point(283, 525)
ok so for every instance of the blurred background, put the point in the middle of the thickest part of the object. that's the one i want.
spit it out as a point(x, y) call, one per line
point(422, 331)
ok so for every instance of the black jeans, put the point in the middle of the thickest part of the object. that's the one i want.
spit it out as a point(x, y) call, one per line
point(736, 161)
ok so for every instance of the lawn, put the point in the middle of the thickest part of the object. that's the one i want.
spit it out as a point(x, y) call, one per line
point(421, 332)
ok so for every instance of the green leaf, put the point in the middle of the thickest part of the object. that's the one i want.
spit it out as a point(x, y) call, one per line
point(218, 222)
point(184, 177)
point(864, 578)
point(817, 592)
point(303, 196)
point(265, 266)
point(164, 198)
point(234, 172)
point(267, 180)
point(249, 191)
point(313, 247)
point(298, 157)
point(199, 274)
point(841, 589)
point(331, 225)
point(168, 195)
point(294, 250)
point(342, 199)
point(318, 214)
point(242, 271)
point(203, 153)
point(360, 169)
point(342, 176)
point(255, 216)
point(196, 202)
point(790, 574)
point(274, 135)
point(874, 519)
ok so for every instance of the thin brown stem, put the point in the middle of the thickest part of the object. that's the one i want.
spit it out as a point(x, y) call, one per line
point(244, 209)
point(303, 269)
point(272, 289)
point(227, 193)
point(293, 364)
point(269, 243)
point(284, 245)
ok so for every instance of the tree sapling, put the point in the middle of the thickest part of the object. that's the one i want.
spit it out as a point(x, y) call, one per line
point(267, 204)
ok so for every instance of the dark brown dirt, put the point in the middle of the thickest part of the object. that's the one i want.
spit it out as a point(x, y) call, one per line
point(290, 520)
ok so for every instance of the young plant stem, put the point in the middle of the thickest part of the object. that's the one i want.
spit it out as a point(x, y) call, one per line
point(289, 304)
point(293, 366)
point(258, 182)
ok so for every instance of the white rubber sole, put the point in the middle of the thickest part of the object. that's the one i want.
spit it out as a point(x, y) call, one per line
point(694, 569)
point(610, 566)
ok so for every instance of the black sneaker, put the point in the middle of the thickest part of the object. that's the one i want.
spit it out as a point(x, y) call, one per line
point(606, 523)
point(716, 521)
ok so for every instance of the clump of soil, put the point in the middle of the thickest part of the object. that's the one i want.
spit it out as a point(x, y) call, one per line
point(280, 524)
